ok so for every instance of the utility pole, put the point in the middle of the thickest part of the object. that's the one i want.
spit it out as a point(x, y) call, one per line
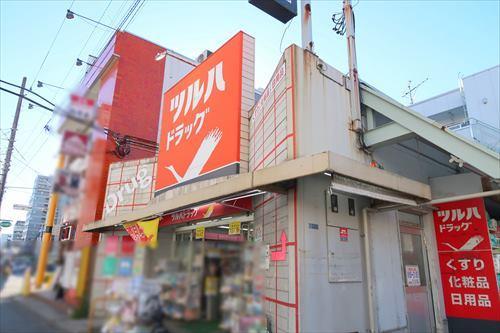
point(10, 147)
point(353, 67)
point(47, 231)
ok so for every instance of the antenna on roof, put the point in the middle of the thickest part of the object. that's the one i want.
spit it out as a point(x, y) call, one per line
point(411, 91)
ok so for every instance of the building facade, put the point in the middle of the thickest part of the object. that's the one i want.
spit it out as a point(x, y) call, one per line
point(39, 202)
point(364, 231)
point(472, 110)
point(126, 83)
point(19, 231)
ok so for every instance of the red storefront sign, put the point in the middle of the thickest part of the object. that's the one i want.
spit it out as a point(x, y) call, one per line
point(212, 210)
point(201, 119)
point(466, 261)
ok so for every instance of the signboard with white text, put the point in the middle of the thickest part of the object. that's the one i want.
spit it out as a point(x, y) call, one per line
point(466, 262)
point(202, 118)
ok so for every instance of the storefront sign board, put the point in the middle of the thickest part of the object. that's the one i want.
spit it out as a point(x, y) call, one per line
point(466, 261)
point(201, 117)
point(212, 210)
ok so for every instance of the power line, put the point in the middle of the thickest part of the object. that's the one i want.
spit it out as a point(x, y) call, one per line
point(50, 48)
point(79, 54)
point(26, 165)
point(28, 90)
point(135, 14)
point(27, 98)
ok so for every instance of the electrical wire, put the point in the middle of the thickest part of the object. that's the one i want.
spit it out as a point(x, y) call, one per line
point(79, 55)
point(50, 47)
point(284, 32)
point(28, 90)
point(135, 14)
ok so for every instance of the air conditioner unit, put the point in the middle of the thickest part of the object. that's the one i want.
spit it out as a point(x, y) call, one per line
point(203, 56)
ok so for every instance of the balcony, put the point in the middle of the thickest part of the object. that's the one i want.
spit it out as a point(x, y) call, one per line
point(480, 132)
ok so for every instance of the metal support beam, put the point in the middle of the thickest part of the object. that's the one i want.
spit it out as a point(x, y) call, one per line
point(474, 154)
point(386, 134)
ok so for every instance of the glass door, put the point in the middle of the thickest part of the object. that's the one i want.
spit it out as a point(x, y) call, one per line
point(417, 290)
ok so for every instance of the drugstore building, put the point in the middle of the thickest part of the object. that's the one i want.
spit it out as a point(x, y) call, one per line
point(388, 229)
point(125, 83)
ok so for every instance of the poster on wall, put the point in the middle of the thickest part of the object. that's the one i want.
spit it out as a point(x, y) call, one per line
point(412, 276)
point(466, 260)
point(200, 128)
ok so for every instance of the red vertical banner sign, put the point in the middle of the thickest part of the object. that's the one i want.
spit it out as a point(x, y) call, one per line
point(466, 261)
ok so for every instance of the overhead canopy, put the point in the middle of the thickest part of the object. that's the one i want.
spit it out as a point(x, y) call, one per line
point(407, 123)
point(274, 179)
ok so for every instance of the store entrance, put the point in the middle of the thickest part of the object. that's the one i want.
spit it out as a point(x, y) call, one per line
point(212, 280)
point(417, 290)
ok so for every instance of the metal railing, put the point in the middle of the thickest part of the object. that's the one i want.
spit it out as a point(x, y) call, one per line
point(481, 132)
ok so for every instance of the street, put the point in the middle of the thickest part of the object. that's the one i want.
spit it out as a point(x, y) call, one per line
point(15, 317)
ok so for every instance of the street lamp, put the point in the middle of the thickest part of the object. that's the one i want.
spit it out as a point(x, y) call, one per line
point(160, 55)
point(41, 84)
point(71, 15)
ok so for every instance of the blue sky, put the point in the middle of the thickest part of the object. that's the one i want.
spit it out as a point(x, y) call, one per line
point(397, 41)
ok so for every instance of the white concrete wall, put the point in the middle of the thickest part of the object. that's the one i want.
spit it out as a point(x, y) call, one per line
point(443, 102)
point(449, 186)
point(482, 92)
point(322, 109)
point(327, 306)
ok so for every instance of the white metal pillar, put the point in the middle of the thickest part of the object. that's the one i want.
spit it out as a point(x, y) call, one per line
point(306, 25)
point(353, 67)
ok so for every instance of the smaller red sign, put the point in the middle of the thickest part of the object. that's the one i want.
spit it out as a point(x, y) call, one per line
point(344, 234)
point(212, 210)
point(74, 144)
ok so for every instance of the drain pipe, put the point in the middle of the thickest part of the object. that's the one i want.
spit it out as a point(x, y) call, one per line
point(368, 267)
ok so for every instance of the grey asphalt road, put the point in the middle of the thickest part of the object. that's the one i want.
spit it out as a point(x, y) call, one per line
point(16, 318)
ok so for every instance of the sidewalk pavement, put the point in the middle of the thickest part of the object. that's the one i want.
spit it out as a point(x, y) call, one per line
point(56, 313)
